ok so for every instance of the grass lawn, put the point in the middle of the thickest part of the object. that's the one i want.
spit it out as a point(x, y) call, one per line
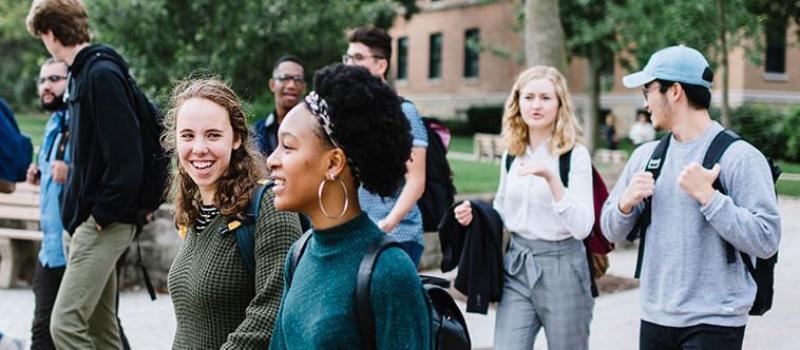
point(789, 188)
point(787, 167)
point(32, 124)
point(461, 144)
point(475, 177)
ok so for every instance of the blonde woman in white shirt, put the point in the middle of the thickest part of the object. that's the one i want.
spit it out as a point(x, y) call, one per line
point(546, 280)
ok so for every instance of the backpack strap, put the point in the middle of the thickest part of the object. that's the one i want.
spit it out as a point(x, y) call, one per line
point(509, 159)
point(245, 235)
point(654, 165)
point(564, 163)
point(302, 243)
point(366, 319)
point(718, 146)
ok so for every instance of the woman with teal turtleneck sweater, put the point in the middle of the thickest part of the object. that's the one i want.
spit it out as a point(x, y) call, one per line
point(351, 131)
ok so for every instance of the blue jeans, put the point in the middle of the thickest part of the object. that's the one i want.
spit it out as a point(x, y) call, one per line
point(414, 251)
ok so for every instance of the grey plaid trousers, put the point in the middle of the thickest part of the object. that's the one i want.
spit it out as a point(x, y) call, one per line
point(546, 284)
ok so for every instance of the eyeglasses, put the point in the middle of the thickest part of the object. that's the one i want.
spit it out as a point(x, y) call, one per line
point(346, 58)
point(50, 78)
point(646, 90)
point(299, 79)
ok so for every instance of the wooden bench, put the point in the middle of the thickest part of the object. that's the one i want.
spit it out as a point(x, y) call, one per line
point(18, 245)
point(488, 147)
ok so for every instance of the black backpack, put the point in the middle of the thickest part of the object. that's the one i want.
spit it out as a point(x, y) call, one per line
point(764, 270)
point(439, 189)
point(155, 164)
point(449, 327)
point(155, 167)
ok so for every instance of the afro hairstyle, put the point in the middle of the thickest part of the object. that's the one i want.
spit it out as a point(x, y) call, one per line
point(368, 124)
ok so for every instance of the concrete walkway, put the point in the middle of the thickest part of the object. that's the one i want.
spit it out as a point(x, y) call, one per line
point(150, 325)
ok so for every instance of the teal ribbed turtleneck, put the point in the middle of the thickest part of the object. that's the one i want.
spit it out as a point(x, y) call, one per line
point(318, 311)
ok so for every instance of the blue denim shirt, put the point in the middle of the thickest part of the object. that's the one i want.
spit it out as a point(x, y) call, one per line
point(410, 228)
point(52, 252)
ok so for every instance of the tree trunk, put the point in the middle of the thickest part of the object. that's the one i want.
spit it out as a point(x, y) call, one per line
point(591, 115)
point(544, 35)
point(725, 109)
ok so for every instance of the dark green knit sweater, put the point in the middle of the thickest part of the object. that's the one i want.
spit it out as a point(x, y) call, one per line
point(217, 303)
point(318, 311)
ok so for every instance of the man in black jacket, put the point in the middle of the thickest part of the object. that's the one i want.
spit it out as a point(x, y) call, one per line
point(99, 202)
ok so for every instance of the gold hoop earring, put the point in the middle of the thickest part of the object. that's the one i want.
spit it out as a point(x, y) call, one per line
point(322, 206)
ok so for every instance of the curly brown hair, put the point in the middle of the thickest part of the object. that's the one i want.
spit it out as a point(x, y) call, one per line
point(236, 186)
point(67, 19)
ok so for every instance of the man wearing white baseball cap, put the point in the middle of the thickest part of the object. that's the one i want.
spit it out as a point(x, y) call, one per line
point(696, 289)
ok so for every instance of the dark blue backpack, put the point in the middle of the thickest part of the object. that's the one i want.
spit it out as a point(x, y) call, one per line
point(16, 150)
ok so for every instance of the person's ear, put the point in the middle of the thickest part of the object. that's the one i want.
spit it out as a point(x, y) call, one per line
point(273, 85)
point(237, 142)
point(383, 66)
point(336, 163)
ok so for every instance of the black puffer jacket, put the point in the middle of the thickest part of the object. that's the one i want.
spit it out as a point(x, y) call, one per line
point(106, 173)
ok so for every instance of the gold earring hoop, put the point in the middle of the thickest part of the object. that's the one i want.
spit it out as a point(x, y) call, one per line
point(322, 206)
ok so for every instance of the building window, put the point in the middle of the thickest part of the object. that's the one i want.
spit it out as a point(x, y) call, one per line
point(435, 57)
point(402, 58)
point(775, 60)
point(472, 39)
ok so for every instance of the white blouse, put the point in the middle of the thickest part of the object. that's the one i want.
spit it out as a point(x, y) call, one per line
point(526, 204)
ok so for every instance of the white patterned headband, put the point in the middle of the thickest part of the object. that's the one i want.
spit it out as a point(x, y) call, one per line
point(319, 108)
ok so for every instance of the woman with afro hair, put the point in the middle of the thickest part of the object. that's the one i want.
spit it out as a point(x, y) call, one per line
point(350, 132)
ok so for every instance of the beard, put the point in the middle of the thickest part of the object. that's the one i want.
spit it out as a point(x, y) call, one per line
point(55, 105)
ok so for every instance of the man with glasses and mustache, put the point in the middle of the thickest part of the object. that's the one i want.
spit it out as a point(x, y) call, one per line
point(50, 172)
point(288, 85)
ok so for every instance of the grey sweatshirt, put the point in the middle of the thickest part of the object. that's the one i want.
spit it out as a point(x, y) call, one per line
point(685, 279)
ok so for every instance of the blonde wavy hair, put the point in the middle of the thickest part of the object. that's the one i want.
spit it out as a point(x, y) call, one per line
point(566, 128)
point(236, 186)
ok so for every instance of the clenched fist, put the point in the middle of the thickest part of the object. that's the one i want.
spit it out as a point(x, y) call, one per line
point(698, 182)
point(463, 213)
point(640, 187)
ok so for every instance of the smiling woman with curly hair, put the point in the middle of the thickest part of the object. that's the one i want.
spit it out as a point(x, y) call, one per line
point(349, 132)
point(219, 302)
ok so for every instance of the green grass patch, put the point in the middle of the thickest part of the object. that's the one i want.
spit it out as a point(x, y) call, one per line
point(788, 188)
point(32, 124)
point(461, 144)
point(787, 167)
point(474, 177)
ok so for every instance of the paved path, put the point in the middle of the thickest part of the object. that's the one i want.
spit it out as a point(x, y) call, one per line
point(150, 325)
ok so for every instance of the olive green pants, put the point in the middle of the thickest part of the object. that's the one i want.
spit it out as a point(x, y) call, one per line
point(84, 314)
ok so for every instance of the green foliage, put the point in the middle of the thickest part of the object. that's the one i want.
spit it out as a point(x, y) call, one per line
point(762, 127)
point(644, 27)
point(239, 40)
point(166, 40)
point(791, 131)
point(20, 56)
point(485, 119)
